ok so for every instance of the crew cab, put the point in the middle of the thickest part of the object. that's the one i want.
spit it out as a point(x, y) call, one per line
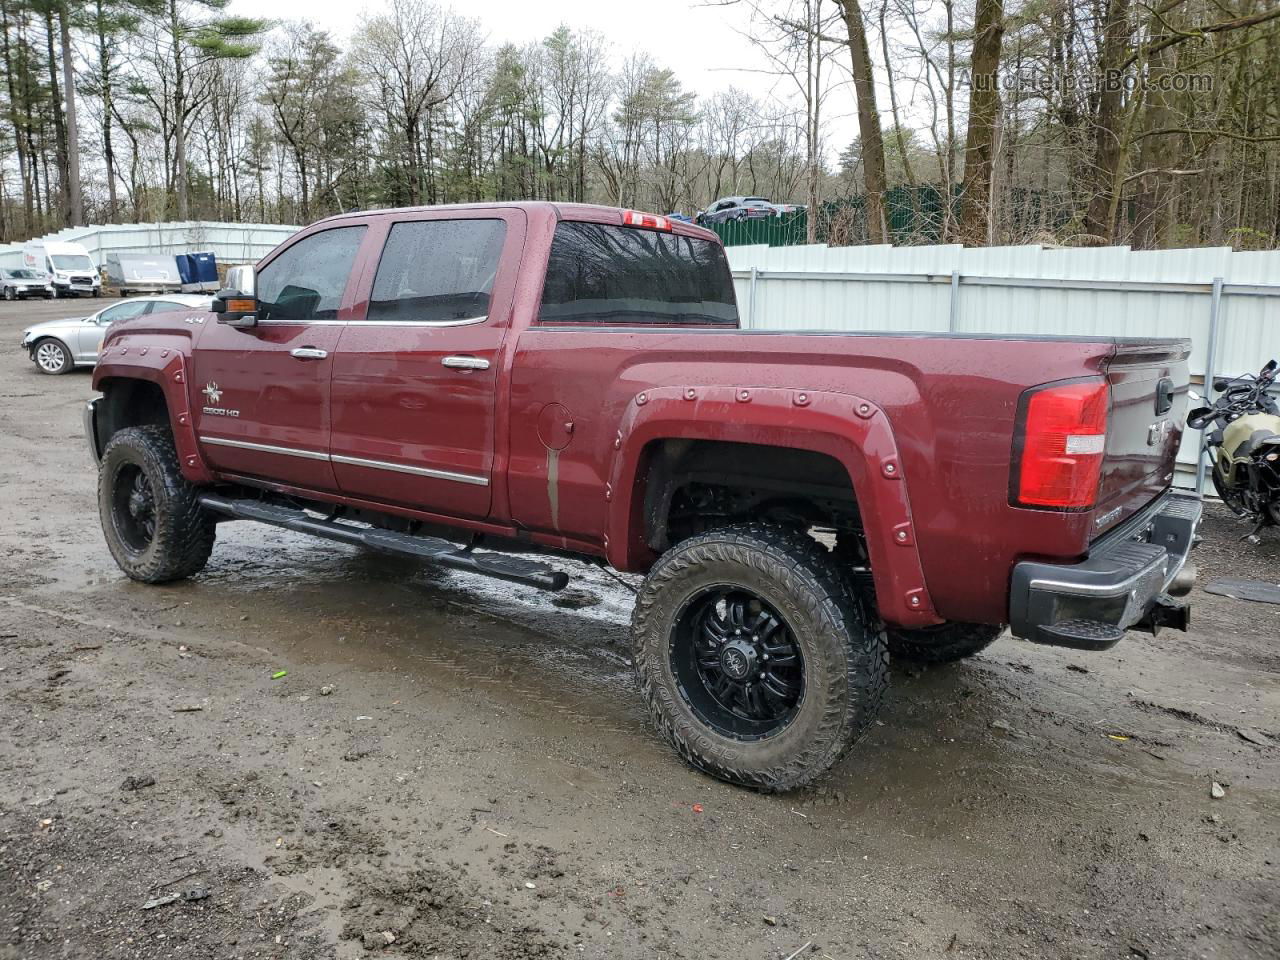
point(473, 384)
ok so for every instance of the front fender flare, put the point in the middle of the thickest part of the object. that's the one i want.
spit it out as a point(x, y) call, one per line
point(851, 429)
point(167, 368)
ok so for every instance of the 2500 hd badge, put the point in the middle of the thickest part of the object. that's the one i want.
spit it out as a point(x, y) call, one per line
point(214, 394)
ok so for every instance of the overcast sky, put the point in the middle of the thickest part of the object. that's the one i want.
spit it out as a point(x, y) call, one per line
point(699, 42)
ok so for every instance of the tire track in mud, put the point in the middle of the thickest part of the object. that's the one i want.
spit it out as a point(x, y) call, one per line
point(500, 677)
point(496, 676)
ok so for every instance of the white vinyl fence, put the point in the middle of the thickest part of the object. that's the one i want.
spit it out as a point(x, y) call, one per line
point(1227, 303)
point(230, 243)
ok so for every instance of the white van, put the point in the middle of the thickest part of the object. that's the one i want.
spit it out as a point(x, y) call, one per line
point(69, 266)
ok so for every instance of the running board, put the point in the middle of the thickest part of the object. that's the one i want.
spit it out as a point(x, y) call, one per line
point(435, 549)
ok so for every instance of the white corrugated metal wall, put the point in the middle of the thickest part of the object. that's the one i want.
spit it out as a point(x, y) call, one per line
point(230, 243)
point(1101, 291)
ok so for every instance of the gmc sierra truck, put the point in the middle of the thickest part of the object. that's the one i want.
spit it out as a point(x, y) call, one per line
point(473, 384)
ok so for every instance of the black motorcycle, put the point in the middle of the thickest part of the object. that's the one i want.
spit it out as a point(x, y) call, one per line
point(1242, 443)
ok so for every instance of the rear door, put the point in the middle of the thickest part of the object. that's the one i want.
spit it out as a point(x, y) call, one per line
point(261, 394)
point(1149, 382)
point(415, 378)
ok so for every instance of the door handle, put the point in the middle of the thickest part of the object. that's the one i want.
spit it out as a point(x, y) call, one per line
point(466, 363)
point(308, 353)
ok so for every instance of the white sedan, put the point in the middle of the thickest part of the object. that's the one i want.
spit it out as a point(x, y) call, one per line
point(57, 346)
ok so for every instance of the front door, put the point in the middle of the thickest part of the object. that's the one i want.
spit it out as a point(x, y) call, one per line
point(414, 381)
point(261, 394)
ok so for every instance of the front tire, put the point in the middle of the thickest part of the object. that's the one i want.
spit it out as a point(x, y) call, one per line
point(757, 662)
point(10, 293)
point(52, 357)
point(153, 523)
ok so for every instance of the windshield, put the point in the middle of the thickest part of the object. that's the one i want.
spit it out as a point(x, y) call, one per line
point(71, 261)
point(22, 275)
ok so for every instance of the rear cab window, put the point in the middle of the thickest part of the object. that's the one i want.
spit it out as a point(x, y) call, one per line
point(602, 273)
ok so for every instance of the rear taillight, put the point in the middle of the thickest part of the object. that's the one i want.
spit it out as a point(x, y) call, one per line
point(634, 218)
point(1059, 443)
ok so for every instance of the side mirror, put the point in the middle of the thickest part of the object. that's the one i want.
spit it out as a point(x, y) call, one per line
point(1270, 367)
point(236, 309)
point(1200, 418)
point(1221, 384)
point(241, 278)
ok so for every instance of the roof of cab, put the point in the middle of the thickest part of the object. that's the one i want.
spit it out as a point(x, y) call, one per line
point(590, 212)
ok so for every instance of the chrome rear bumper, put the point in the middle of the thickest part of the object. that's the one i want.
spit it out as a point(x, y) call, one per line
point(1124, 584)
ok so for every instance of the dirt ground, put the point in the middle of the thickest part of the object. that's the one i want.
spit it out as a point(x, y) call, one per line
point(454, 767)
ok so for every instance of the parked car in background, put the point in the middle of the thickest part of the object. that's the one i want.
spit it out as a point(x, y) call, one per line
point(22, 282)
point(57, 346)
point(736, 208)
point(744, 208)
point(69, 266)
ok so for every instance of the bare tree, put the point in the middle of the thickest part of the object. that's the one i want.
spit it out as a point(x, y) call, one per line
point(984, 108)
point(872, 141)
point(419, 53)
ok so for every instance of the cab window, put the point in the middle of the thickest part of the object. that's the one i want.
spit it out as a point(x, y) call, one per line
point(437, 271)
point(305, 283)
point(600, 273)
point(123, 311)
point(168, 306)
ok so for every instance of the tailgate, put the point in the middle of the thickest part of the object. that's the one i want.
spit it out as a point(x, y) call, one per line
point(1149, 381)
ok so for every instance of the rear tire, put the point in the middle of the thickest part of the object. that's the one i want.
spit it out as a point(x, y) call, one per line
point(154, 526)
point(944, 643)
point(757, 590)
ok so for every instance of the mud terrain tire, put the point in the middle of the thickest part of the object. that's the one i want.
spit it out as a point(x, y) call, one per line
point(944, 643)
point(844, 658)
point(154, 526)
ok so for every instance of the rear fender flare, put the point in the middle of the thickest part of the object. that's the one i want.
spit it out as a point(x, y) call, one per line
point(166, 367)
point(849, 428)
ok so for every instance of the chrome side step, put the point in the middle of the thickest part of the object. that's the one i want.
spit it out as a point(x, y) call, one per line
point(446, 554)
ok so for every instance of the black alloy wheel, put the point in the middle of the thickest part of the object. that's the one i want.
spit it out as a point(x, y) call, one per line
point(133, 507)
point(737, 662)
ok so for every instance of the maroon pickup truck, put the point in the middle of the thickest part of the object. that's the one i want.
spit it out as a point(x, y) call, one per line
point(473, 384)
